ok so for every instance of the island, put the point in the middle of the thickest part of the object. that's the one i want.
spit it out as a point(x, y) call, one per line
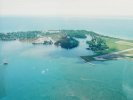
point(104, 47)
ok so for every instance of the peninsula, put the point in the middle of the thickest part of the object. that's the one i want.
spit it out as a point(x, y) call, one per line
point(104, 47)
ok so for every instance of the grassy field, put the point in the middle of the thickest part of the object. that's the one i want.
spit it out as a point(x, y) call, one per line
point(115, 45)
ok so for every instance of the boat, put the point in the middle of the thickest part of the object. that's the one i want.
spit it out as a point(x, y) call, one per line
point(5, 62)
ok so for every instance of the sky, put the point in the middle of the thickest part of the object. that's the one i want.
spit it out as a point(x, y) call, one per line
point(69, 8)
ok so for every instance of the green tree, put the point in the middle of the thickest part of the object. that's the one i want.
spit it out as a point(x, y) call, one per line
point(97, 44)
point(67, 42)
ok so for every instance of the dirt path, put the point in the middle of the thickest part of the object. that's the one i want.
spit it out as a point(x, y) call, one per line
point(122, 51)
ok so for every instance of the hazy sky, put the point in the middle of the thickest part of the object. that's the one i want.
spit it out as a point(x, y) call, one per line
point(83, 8)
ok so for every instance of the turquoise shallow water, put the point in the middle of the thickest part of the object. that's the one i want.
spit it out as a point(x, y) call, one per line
point(50, 73)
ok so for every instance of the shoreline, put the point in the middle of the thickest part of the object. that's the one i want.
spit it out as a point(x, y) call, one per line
point(97, 32)
point(117, 47)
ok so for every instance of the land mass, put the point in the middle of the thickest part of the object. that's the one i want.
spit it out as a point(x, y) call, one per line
point(104, 47)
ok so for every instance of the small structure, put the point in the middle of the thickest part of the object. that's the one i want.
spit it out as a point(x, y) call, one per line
point(53, 31)
point(43, 40)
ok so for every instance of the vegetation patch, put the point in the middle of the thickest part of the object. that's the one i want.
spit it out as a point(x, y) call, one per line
point(108, 48)
point(97, 44)
point(67, 42)
point(102, 46)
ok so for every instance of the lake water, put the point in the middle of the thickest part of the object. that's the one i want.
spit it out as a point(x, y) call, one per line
point(119, 27)
point(51, 73)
